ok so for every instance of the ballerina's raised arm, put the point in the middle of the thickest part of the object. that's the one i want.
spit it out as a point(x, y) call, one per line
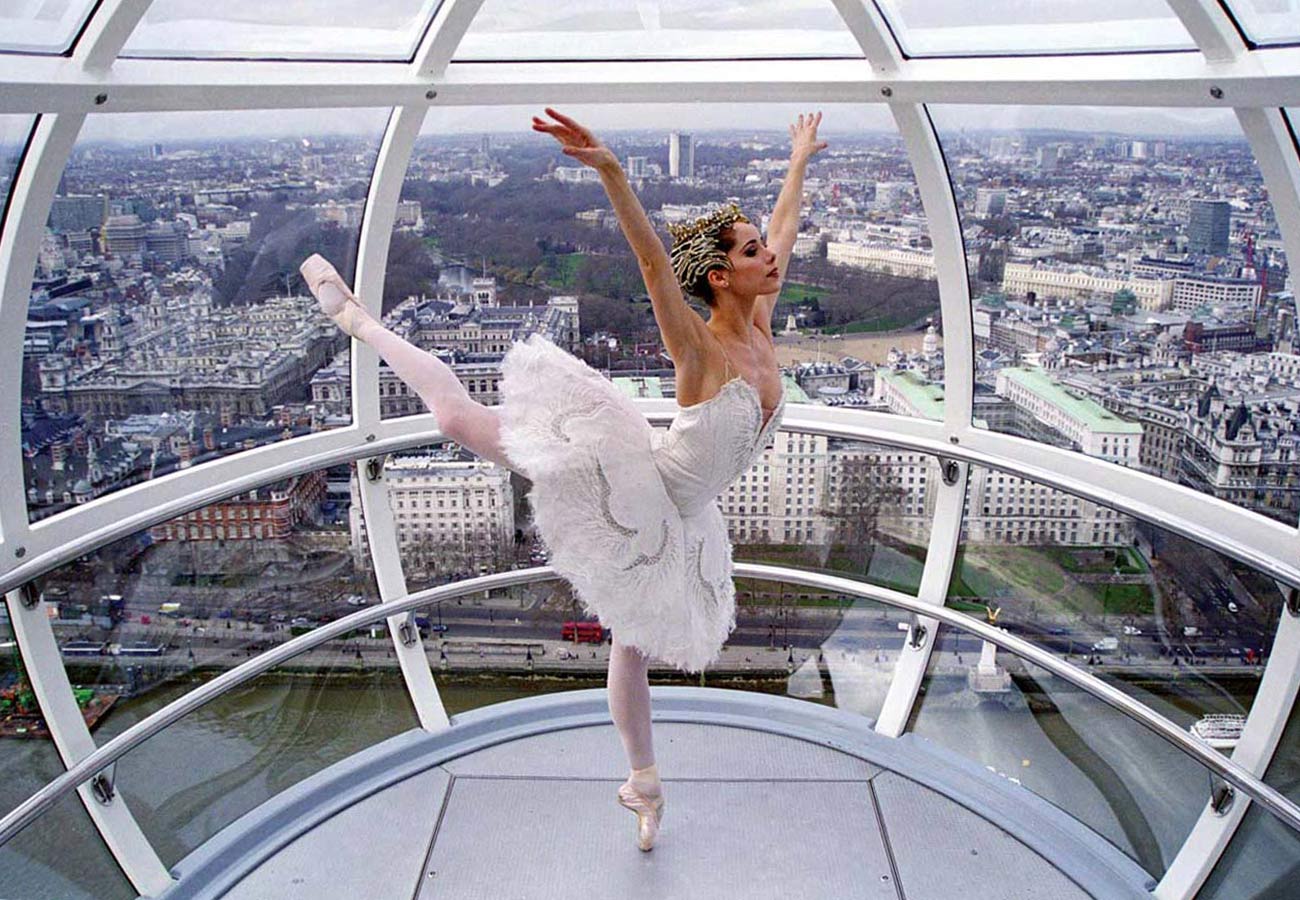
point(783, 226)
point(684, 332)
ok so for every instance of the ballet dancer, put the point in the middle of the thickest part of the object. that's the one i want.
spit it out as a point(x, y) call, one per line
point(630, 514)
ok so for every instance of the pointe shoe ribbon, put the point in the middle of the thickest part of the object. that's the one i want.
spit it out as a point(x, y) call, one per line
point(649, 813)
point(333, 294)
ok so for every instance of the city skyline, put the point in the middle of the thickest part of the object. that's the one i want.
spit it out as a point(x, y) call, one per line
point(839, 119)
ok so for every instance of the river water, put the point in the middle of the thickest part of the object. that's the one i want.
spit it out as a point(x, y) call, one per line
point(218, 763)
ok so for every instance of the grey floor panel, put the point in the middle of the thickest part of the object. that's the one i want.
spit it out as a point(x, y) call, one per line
point(944, 850)
point(682, 750)
point(374, 849)
point(538, 838)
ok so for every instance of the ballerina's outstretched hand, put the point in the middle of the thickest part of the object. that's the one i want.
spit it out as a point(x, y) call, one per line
point(803, 135)
point(575, 140)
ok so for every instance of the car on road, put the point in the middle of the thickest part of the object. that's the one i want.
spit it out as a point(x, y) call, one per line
point(1132, 630)
point(300, 622)
point(1106, 645)
point(357, 600)
point(425, 626)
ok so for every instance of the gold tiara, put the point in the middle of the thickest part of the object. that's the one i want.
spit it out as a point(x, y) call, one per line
point(695, 245)
point(715, 221)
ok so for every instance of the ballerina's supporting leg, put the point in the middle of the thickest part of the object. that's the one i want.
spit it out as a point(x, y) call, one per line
point(629, 704)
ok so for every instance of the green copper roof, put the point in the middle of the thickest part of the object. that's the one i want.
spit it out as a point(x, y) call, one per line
point(1089, 413)
point(793, 393)
point(923, 396)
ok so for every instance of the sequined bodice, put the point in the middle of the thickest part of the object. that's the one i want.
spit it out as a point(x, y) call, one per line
point(711, 443)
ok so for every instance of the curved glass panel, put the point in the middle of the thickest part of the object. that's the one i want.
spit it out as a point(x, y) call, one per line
point(660, 29)
point(13, 139)
point(34, 27)
point(315, 29)
point(61, 856)
point(847, 508)
point(1014, 27)
point(499, 236)
point(27, 754)
point(148, 618)
point(1129, 284)
point(1263, 860)
point(1177, 625)
point(1180, 628)
point(1044, 735)
point(200, 774)
point(1268, 21)
point(536, 639)
point(168, 324)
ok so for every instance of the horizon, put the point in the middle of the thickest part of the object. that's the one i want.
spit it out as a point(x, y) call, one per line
point(840, 119)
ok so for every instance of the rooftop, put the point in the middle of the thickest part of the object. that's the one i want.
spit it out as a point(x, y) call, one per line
point(925, 397)
point(1088, 413)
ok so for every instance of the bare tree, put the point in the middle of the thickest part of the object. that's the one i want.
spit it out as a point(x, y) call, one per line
point(865, 490)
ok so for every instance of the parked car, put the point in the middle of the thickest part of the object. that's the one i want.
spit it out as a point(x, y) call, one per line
point(1132, 630)
point(1106, 645)
point(1233, 607)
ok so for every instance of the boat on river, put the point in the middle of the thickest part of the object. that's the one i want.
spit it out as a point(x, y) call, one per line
point(1221, 731)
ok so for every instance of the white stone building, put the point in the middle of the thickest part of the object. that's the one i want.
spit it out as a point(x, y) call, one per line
point(437, 498)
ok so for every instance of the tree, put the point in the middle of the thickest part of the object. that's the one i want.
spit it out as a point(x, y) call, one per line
point(410, 270)
point(865, 492)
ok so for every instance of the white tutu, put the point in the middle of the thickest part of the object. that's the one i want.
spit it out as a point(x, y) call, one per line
point(629, 514)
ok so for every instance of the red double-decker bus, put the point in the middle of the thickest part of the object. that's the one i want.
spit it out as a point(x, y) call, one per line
point(583, 632)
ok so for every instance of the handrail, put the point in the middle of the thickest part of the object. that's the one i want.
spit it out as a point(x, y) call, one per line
point(162, 512)
point(30, 809)
point(1276, 567)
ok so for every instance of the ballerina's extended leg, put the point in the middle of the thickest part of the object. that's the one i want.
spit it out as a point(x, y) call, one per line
point(460, 417)
point(629, 706)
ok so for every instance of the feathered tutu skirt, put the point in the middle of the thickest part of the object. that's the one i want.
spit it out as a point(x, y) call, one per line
point(657, 578)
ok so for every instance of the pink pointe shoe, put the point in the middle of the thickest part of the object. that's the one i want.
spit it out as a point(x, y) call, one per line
point(333, 294)
point(649, 813)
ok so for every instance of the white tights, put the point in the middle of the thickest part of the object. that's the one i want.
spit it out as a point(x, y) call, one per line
point(460, 417)
point(628, 687)
point(477, 428)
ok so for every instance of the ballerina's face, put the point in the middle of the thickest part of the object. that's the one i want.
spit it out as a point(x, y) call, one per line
point(753, 265)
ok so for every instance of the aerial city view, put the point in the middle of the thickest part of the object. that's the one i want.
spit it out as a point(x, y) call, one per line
point(439, 428)
point(1130, 301)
